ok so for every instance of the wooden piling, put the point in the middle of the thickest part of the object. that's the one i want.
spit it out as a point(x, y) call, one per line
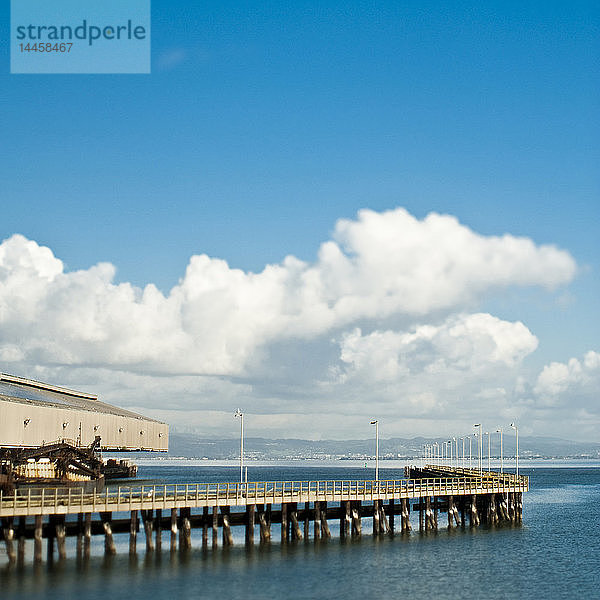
point(148, 522)
point(391, 515)
point(9, 536)
point(296, 531)
point(21, 541)
point(61, 537)
point(87, 535)
point(185, 534)
point(325, 533)
point(405, 520)
point(227, 536)
point(133, 527)
point(356, 519)
point(174, 530)
point(158, 529)
point(265, 525)
point(215, 527)
point(317, 527)
point(376, 518)
point(284, 522)
point(205, 527)
point(79, 546)
point(250, 513)
point(474, 517)
point(37, 539)
point(109, 542)
point(306, 520)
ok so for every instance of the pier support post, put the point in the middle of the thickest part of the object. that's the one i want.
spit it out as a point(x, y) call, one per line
point(346, 520)
point(421, 514)
point(356, 519)
point(21, 542)
point(215, 527)
point(37, 539)
point(185, 535)
point(474, 517)
point(284, 522)
point(9, 536)
point(317, 527)
point(227, 537)
point(205, 527)
point(428, 517)
point(306, 520)
point(376, 517)
point(250, 512)
point(174, 530)
point(435, 513)
point(61, 537)
point(325, 533)
point(405, 520)
point(392, 518)
point(158, 529)
point(79, 545)
point(265, 526)
point(133, 528)
point(109, 542)
point(147, 520)
point(296, 531)
point(87, 535)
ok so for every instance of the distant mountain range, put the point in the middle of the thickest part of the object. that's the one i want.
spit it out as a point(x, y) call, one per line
point(189, 445)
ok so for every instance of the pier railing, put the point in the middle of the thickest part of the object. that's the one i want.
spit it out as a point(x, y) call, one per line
point(125, 498)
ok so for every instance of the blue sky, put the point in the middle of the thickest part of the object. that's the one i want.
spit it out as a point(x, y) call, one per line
point(262, 124)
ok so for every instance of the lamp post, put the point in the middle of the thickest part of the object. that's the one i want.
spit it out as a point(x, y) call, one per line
point(489, 452)
point(517, 452)
point(479, 446)
point(240, 414)
point(462, 439)
point(376, 423)
point(501, 451)
point(470, 453)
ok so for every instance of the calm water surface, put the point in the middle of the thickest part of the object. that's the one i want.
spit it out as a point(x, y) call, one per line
point(554, 555)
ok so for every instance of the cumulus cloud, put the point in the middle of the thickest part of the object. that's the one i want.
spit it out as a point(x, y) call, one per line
point(219, 320)
point(469, 343)
point(575, 380)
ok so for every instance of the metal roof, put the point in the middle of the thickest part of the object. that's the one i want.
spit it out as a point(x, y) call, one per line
point(21, 390)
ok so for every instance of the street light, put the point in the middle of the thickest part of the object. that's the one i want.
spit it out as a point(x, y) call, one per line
point(462, 439)
point(470, 453)
point(489, 442)
point(240, 414)
point(376, 423)
point(501, 451)
point(517, 453)
point(479, 446)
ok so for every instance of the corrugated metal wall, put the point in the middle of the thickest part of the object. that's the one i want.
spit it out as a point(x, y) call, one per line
point(30, 425)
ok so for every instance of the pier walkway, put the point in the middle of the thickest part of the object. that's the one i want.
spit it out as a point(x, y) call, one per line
point(487, 497)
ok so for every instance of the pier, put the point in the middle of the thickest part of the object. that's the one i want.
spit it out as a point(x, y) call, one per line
point(299, 510)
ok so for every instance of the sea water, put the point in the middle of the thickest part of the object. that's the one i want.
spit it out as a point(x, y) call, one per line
point(555, 554)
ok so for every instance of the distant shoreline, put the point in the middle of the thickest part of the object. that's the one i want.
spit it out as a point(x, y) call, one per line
point(383, 465)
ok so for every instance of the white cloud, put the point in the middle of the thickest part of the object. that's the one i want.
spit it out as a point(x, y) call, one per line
point(570, 382)
point(470, 343)
point(219, 320)
point(384, 324)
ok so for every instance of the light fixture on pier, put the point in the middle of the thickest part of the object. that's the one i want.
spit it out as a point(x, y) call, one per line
point(376, 423)
point(240, 414)
point(479, 446)
point(517, 452)
point(501, 451)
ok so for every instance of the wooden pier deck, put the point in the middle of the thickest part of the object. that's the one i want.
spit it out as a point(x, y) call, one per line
point(486, 497)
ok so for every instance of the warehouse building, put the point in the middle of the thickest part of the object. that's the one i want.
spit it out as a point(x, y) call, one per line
point(34, 414)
